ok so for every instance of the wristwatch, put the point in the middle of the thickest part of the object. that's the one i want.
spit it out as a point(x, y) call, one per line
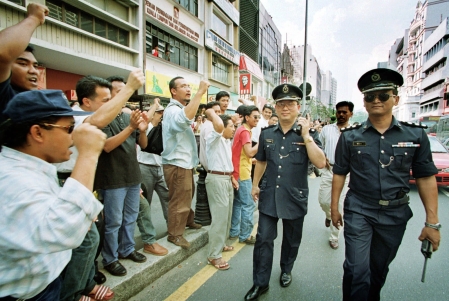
point(308, 139)
point(436, 226)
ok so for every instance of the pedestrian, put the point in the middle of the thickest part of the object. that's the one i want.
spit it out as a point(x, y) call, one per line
point(18, 66)
point(274, 119)
point(150, 165)
point(284, 151)
point(119, 184)
point(329, 137)
point(208, 127)
point(380, 153)
point(242, 223)
point(219, 185)
point(180, 156)
point(41, 222)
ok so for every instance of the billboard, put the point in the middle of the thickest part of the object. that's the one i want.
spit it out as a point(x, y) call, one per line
point(245, 84)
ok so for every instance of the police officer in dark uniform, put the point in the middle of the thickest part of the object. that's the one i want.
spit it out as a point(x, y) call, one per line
point(284, 152)
point(379, 154)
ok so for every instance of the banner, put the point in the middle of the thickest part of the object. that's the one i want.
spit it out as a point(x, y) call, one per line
point(157, 84)
point(245, 84)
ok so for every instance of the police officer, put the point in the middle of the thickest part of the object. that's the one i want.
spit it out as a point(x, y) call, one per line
point(379, 154)
point(284, 152)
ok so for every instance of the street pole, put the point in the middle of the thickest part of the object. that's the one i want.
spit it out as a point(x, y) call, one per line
point(305, 64)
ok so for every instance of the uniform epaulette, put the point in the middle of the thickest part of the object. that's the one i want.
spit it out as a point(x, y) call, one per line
point(351, 127)
point(269, 127)
point(415, 125)
point(312, 130)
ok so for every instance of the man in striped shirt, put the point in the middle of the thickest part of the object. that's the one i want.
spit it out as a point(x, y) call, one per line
point(329, 137)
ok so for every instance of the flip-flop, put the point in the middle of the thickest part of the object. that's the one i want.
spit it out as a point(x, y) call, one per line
point(102, 293)
point(228, 248)
point(219, 264)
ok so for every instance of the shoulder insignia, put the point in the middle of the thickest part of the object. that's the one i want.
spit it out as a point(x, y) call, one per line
point(268, 127)
point(312, 130)
point(414, 125)
point(351, 127)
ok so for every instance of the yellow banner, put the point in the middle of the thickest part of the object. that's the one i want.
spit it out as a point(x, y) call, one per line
point(157, 84)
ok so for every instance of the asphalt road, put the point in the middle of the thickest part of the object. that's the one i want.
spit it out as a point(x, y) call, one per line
point(318, 271)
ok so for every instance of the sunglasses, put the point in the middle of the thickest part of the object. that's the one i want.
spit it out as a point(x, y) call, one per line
point(68, 128)
point(256, 116)
point(382, 97)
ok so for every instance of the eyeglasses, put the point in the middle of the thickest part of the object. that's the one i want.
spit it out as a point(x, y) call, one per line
point(256, 116)
point(289, 105)
point(68, 128)
point(184, 87)
point(382, 97)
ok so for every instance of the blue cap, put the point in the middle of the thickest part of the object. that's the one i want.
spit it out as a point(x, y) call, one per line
point(38, 104)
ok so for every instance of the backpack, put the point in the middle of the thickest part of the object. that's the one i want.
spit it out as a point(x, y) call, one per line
point(155, 144)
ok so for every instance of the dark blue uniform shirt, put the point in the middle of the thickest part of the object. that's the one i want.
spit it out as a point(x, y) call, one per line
point(380, 163)
point(285, 189)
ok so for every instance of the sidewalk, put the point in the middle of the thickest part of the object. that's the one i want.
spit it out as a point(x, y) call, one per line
point(141, 275)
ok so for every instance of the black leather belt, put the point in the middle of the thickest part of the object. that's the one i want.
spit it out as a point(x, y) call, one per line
point(223, 173)
point(63, 175)
point(396, 202)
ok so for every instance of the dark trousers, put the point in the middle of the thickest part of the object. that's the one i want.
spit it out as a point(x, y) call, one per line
point(372, 234)
point(263, 249)
point(50, 293)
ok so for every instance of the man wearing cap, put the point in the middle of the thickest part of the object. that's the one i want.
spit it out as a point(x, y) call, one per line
point(329, 137)
point(284, 152)
point(41, 221)
point(379, 154)
point(150, 165)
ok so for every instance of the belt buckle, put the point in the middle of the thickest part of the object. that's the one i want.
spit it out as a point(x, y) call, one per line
point(384, 202)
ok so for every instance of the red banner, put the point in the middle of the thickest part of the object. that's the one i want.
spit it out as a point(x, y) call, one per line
point(245, 84)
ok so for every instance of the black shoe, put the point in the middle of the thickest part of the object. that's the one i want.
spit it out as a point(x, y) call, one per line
point(99, 278)
point(135, 256)
point(255, 292)
point(286, 279)
point(116, 269)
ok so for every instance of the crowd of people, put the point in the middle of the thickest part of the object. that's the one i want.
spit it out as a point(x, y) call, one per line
point(87, 178)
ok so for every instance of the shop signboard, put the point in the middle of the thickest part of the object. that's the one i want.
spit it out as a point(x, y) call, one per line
point(219, 46)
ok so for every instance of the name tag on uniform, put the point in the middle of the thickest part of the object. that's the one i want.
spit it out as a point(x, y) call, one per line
point(269, 140)
point(406, 144)
point(358, 143)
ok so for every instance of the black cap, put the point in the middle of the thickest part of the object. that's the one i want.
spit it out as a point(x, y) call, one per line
point(286, 92)
point(379, 79)
point(38, 104)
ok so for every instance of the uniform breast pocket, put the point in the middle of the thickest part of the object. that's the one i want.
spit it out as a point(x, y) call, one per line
point(361, 158)
point(298, 154)
point(269, 150)
point(403, 157)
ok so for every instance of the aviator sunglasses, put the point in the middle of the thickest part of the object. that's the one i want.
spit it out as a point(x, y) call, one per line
point(382, 97)
point(68, 128)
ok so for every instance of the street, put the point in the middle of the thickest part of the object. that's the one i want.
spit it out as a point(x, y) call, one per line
point(318, 271)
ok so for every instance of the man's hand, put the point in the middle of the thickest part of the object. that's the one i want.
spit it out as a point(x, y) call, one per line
point(255, 193)
point(431, 235)
point(235, 183)
point(204, 85)
point(143, 126)
point(88, 139)
point(135, 79)
point(37, 11)
point(135, 119)
point(305, 125)
point(337, 219)
point(156, 102)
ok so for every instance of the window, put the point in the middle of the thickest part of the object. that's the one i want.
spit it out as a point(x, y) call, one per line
point(190, 5)
point(75, 17)
point(171, 48)
point(19, 2)
point(220, 26)
point(220, 69)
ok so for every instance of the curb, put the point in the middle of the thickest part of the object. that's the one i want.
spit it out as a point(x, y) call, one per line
point(141, 275)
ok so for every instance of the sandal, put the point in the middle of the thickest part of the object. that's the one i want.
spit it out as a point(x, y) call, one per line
point(101, 293)
point(228, 248)
point(86, 298)
point(218, 263)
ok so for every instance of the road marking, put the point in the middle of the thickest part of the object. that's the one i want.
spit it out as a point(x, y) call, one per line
point(195, 282)
point(446, 193)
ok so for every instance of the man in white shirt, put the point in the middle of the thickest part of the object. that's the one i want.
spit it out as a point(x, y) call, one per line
point(267, 111)
point(53, 220)
point(208, 127)
point(329, 137)
point(150, 165)
point(219, 185)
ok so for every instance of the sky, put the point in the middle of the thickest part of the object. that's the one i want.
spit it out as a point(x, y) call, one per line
point(348, 37)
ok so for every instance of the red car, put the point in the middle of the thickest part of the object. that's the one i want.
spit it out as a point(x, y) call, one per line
point(441, 159)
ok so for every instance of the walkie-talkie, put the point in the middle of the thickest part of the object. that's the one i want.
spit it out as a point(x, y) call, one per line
point(426, 250)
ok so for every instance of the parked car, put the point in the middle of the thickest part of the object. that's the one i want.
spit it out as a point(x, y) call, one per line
point(440, 157)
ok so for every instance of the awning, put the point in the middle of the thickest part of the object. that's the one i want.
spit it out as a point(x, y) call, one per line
point(247, 64)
